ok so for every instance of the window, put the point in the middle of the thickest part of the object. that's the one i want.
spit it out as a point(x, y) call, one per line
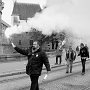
point(20, 42)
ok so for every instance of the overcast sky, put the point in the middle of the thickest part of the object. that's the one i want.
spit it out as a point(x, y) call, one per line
point(6, 13)
point(8, 7)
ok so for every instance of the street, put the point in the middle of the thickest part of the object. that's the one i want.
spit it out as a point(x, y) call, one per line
point(72, 82)
point(56, 80)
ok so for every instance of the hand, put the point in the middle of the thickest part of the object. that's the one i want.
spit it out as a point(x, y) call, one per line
point(45, 77)
point(13, 45)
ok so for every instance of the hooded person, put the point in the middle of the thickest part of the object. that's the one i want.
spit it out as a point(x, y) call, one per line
point(84, 54)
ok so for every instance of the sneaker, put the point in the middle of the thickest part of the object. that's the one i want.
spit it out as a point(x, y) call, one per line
point(56, 63)
point(83, 73)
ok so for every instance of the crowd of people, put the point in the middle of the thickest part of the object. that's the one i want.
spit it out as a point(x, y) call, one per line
point(82, 51)
point(37, 57)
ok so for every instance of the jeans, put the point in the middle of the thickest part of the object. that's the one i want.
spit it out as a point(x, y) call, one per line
point(83, 65)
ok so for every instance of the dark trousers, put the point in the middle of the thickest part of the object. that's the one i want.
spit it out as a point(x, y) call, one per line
point(60, 57)
point(34, 82)
point(83, 65)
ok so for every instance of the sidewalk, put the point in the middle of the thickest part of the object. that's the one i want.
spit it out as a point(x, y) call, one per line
point(58, 73)
point(54, 75)
point(11, 68)
point(53, 80)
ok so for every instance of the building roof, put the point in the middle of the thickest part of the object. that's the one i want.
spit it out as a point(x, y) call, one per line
point(25, 10)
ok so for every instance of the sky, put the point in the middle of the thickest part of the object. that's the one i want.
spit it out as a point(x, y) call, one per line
point(8, 7)
point(72, 14)
point(6, 12)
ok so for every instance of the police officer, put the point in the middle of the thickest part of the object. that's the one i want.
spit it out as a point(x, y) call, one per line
point(36, 59)
point(84, 55)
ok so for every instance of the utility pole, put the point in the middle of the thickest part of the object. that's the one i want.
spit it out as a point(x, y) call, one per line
point(1, 8)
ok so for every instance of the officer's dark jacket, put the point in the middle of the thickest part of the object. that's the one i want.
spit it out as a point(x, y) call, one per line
point(84, 52)
point(35, 61)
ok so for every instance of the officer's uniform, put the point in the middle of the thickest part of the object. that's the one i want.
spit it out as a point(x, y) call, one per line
point(34, 66)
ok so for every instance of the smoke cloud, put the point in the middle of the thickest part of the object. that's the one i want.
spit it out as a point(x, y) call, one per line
point(71, 15)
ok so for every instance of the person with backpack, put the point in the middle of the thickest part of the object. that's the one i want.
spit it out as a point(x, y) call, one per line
point(36, 59)
point(87, 47)
point(70, 57)
point(84, 54)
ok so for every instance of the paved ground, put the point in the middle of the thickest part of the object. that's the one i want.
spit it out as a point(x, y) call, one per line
point(59, 80)
point(70, 82)
point(19, 66)
point(22, 82)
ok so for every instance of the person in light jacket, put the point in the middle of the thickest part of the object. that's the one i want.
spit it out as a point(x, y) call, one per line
point(70, 57)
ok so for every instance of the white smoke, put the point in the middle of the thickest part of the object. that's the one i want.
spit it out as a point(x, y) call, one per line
point(61, 14)
point(23, 27)
point(42, 3)
point(47, 21)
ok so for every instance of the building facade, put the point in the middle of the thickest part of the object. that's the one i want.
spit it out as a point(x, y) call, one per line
point(5, 46)
point(4, 42)
point(21, 12)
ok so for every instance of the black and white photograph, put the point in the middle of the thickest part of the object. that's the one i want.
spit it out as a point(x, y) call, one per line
point(44, 44)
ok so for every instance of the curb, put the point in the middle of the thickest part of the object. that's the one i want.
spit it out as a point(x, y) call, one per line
point(54, 79)
point(23, 71)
